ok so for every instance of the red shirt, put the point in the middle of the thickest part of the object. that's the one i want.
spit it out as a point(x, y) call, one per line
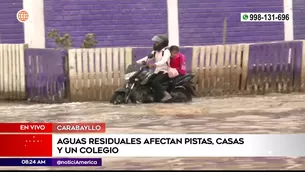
point(178, 62)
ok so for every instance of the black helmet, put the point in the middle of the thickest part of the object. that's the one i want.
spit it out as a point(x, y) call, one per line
point(161, 40)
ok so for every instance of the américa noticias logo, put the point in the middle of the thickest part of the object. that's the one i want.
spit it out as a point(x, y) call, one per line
point(22, 16)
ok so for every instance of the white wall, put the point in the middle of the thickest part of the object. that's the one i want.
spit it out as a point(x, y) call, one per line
point(173, 22)
point(288, 25)
point(34, 30)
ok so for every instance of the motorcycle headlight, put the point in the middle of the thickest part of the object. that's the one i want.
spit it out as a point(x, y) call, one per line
point(128, 75)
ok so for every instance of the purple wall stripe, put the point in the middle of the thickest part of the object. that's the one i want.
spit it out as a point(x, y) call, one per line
point(299, 19)
point(45, 77)
point(276, 60)
point(201, 23)
point(11, 30)
point(115, 23)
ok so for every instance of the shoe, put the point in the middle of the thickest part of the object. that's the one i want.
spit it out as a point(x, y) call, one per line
point(166, 97)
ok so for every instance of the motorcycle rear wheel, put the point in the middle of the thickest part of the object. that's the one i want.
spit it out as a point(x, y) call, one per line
point(117, 98)
point(187, 94)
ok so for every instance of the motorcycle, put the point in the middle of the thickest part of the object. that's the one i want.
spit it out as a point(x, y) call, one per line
point(138, 87)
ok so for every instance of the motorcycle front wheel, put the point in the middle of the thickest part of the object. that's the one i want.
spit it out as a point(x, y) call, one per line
point(120, 97)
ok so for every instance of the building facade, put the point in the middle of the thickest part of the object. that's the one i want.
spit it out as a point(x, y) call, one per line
point(133, 23)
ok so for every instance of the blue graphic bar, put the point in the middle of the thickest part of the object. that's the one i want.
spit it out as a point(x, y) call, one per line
point(50, 162)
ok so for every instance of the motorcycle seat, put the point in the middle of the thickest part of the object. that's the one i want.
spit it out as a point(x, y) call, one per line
point(177, 79)
point(180, 78)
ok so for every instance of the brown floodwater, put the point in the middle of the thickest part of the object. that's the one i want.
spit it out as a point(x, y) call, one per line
point(252, 114)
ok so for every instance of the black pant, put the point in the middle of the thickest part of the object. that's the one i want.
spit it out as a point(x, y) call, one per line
point(157, 87)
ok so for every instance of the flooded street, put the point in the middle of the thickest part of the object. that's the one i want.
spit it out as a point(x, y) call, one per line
point(254, 114)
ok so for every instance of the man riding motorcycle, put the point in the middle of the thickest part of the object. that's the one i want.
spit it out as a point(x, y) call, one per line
point(162, 57)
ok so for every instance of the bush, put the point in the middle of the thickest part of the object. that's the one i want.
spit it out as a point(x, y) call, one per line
point(65, 41)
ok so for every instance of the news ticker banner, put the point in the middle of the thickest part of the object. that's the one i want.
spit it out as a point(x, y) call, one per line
point(77, 140)
point(50, 162)
point(52, 127)
point(35, 139)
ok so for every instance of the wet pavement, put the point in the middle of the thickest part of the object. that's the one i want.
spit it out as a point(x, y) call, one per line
point(253, 114)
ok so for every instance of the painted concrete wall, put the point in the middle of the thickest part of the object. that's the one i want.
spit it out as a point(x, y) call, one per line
point(11, 31)
point(299, 19)
point(133, 23)
point(115, 23)
point(201, 22)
